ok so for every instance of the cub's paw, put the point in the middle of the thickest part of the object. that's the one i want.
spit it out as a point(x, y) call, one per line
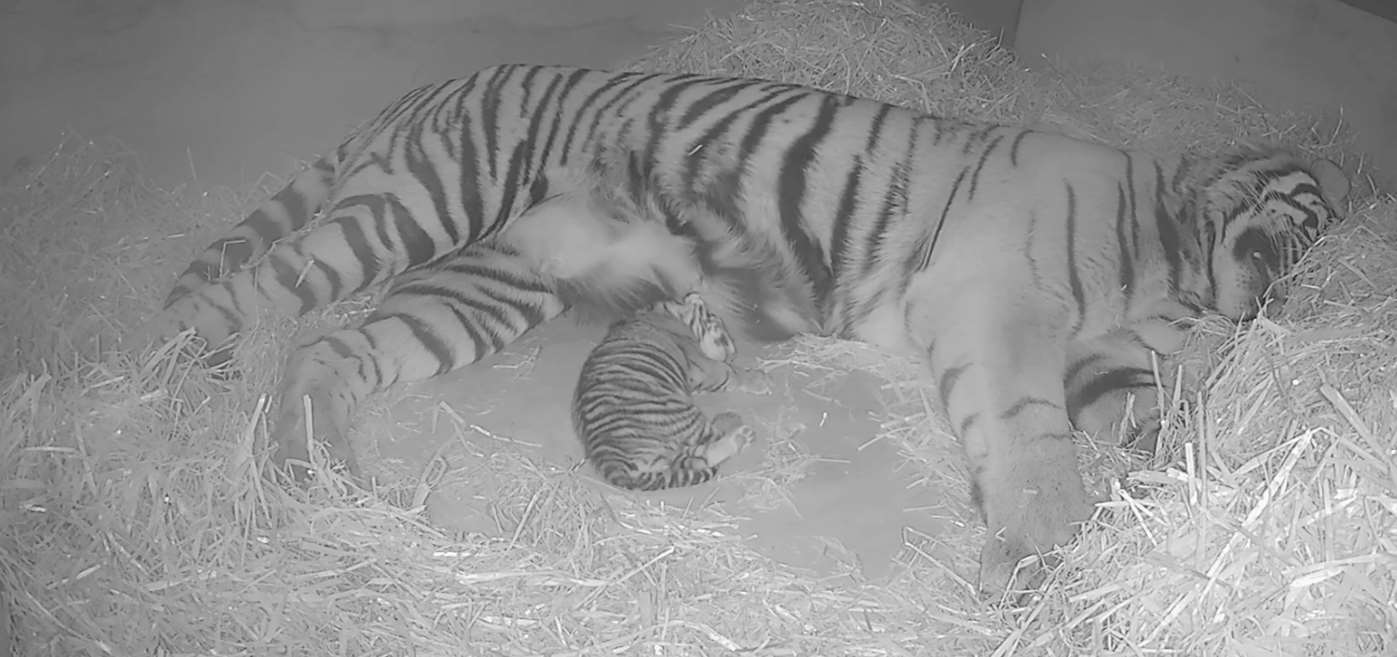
point(731, 436)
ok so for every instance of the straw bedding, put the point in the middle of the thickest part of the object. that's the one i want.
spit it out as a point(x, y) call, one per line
point(133, 519)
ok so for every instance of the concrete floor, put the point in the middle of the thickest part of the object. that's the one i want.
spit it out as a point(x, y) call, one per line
point(225, 91)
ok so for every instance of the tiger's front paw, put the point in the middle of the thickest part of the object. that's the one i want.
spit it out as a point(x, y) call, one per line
point(1041, 511)
point(312, 416)
point(1131, 423)
point(186, 346)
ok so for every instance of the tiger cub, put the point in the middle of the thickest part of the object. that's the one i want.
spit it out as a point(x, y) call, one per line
point(633, 408)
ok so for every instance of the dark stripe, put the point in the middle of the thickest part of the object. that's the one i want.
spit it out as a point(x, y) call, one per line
point(1122, 378)
point(701, 106)
point(484, 343)
point(332, 278)
point(429, 340)
point(233, 255)
point(416, 243)
point(875, 128)
point(470, 183)
point(521, 164)
point(287, 276)
point(294, 203)
point(1076, 368)
point(1125, 274)
point(455, 295)
point(699, 155)
point(980, 166)
point(612, 107)
point(490, 116)
point(264, 227)
point(474, 267)
point(427, 173)
point(967, 424)
point(580, 116)
point(1074, 277)
point(1014, 147)
point(547, 107)
point(1024, 404)
point(1169, 240)
point(363, 252)
point(538, 190)
point(975, 138)
point(232, 319)
point(761, 125)
point(843, 216)
point(894, 199)
point(623, 108)
point(947, 383)
point(325, 167)
point(921, 256)
point(1132, 196)
point(527, 85)
point(792, 193)
point(569, 85)
point(656, 122)
point(340, 348)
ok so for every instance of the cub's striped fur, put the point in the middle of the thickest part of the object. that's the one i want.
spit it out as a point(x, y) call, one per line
point(633, 408)
point(1033, 272)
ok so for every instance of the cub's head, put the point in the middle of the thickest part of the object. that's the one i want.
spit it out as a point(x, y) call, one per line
point(1259, 212)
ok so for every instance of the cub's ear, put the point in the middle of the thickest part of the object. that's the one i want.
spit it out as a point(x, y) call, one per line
point(1333, 182)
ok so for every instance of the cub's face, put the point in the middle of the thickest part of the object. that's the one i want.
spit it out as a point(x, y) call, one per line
point(1263, 222)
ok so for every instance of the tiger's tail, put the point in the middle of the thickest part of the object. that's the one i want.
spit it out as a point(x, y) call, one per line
point(280, 216)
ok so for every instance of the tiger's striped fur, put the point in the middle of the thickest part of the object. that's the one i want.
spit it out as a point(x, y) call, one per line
point(1033, 272)
point(633, 407)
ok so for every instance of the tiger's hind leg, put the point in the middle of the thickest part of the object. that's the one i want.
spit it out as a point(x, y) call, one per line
point(433, 321)
point(285, 213)
point(362, 242)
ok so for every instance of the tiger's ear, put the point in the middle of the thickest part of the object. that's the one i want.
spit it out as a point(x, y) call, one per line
point(1333, 182)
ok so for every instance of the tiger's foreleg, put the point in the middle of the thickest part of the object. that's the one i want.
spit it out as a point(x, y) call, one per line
point(435, 320)
point(1113, 391)
point(997, 362)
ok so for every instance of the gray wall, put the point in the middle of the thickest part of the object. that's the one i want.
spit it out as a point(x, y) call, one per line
point(998, 16)
point(1320, 56)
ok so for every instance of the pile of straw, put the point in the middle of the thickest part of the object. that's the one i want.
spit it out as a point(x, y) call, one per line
point(134, 520)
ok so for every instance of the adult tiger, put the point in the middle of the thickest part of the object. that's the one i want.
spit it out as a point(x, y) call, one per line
point(1034, 272)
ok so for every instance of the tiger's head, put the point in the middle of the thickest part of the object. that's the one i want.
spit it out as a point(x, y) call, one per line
point(1259, 212)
